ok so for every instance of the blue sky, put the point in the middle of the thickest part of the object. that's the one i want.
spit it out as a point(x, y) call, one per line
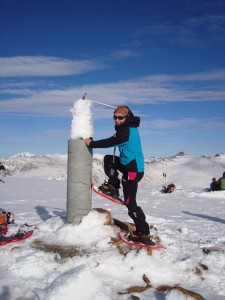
point(164, 59)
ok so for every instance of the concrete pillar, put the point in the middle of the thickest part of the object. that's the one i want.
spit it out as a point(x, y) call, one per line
point(79, 176)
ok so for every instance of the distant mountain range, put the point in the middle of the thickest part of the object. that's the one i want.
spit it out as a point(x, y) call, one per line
point(180, 169)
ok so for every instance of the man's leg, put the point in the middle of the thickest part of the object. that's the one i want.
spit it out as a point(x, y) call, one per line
point(111, 188)
point(111, 165)
point(130, 186)
point(2, 173)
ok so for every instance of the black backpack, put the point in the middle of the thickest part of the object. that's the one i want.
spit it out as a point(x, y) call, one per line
point(2, 167)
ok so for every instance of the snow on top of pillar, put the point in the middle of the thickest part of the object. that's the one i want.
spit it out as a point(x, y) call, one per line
point(81, 126)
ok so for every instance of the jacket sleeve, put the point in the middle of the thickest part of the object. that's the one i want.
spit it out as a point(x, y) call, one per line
point(119, 137)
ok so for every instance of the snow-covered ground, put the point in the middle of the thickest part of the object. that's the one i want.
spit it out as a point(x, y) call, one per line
point(186, 221)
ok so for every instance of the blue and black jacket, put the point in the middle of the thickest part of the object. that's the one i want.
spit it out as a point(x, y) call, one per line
point(127, 139)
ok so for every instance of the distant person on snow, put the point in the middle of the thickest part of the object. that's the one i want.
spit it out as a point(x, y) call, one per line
point(169, 189)
point(2, 172)
point(214, 185)
point(130, 163)
point(221, 182)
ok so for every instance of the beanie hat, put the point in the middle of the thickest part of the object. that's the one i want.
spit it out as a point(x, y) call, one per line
point(123, 110)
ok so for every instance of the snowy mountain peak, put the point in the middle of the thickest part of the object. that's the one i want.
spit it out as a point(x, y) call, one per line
point(181, 169)
point(24, 155)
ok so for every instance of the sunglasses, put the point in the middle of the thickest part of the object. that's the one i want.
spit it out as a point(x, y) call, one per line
point(119, 117)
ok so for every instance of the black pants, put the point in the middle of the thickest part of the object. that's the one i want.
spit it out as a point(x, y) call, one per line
point(130, 181)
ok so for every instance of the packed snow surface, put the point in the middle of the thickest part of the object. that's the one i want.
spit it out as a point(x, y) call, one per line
point(186, 221)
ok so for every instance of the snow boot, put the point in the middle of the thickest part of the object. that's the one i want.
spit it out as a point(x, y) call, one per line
point(140, 238)
point(109, 190)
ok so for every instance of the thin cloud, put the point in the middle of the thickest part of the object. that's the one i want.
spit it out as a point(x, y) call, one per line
point(124, 53)
point(208, 123)
point(202, 30)
point(196, 87)
point(172, 124)
point(44, 66)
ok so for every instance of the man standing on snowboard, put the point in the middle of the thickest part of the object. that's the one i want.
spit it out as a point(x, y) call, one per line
point(130, 163)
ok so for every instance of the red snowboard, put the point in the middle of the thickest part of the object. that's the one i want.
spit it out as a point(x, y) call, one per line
point(96, 190)
point(123, 238)
point(4, 240)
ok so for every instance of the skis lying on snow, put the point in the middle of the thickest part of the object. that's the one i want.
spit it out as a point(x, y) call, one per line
point(123, 237)
point(19, 236)
point(97, 191)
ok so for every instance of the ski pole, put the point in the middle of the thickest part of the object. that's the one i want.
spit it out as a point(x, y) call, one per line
point(97, 102)
point(102, 103)
point(164, 178)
